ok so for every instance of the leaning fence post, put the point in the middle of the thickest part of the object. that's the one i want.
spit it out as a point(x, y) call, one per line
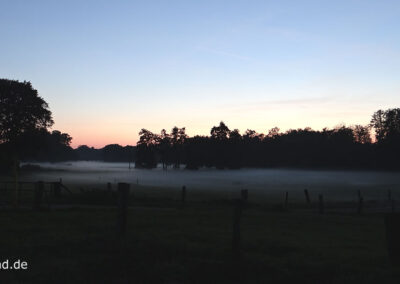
point(123, 194)
point(38, 197)
point(360, 203)
point(321, 204)
point(307, 196)
point(237, 214)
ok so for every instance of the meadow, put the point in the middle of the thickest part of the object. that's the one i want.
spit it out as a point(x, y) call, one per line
point(73, 238)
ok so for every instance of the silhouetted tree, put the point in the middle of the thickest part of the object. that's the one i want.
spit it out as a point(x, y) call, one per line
point(387, 133)
point(378, 123)
point(386, 123)
point(109, 153)
point(235, 150)
point(146, 149)
point(84, 152)
point(273, 132)
point(21, 110)
point(220, 132)
point(61, 138)
point(22, 114)
point(164, 148)
point(219, 145)
point(362, 134)
point(177, 137)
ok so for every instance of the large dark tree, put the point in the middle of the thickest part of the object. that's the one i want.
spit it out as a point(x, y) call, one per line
point(146, 149)
point(386, 124)
point(387, 133)
point(178, 138)
point(24, 118)
point(22, 110)
point(23, 114)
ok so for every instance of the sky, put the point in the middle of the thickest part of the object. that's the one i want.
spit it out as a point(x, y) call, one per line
point(109, 68)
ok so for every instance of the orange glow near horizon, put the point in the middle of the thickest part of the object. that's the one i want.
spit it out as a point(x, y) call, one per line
point(99, 133)
point(95, 130)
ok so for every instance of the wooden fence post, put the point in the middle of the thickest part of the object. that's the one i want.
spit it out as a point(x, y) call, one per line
point(237, 214)
point(321, 204)
point(38, 197)
point(109, 187)
point(123, 194)
point(360, 203)
point(286, 200)
point(307, 196)
point(57, 189)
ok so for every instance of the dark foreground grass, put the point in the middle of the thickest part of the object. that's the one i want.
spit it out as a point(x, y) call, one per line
point(193, 245)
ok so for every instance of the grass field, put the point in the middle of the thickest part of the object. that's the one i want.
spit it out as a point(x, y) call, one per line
point(165, 244)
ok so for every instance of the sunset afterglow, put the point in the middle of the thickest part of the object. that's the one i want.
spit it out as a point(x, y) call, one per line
point(108, 69)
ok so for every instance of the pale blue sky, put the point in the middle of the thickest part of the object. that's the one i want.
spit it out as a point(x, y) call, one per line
point(109, 68)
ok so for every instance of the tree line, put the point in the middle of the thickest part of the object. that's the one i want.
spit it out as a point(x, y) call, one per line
point(25, 119)
point(340, 147)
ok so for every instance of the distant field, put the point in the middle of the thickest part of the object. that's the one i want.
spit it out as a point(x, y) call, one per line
point(269, 184)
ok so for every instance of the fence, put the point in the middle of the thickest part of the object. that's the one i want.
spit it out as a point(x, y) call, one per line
point(41, 196)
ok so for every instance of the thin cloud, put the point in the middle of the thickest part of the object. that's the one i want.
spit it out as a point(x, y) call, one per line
point(276, 104)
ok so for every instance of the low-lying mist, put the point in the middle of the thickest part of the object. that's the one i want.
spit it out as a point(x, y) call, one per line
point(337, 185)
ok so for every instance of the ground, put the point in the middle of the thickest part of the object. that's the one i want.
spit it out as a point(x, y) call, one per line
point(165, 243)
